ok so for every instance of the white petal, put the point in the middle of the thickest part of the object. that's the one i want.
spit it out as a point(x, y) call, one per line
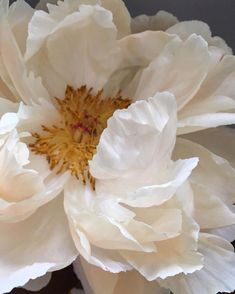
point(90, 34)
point(186, 28)
point(159, 22)
point(180, 69)
point(167, 262)
point(148, 196)
point(218, 272)
point(94, 279)
point(220, 141)
point(31, 248)
point(16, 69)
point(213, 173)
point(97, 281)
point(121, 16)
point(141, 136)
point(39, 283)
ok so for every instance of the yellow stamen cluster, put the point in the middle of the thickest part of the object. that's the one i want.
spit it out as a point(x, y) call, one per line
point(71, 143)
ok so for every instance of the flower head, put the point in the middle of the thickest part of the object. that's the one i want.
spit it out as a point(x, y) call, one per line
point(88, 134)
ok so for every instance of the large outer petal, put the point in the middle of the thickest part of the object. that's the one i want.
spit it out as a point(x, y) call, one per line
point(90, 52)
point(180, 68)
point(218, 272)
point(31, 248)
point(97, 281)
point(136, 138)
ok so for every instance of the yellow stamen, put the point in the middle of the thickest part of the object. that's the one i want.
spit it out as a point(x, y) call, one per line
point(71, 143)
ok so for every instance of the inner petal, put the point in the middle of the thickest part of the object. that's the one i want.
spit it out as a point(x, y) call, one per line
point(71, 143)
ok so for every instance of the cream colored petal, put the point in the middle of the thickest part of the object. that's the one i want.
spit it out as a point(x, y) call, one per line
point(186, 28)
point(101, 230)
point(216, 97)
point(159, 22)
point(220, 141)
point(208, 120)
point(90, 34)
point(167, 262)
point(19, 15)
point(157, 194)
point(213, 173)
point(218, 272)
point(121, 16)
point(141, 136)
point(180, 68)
point(209, 210)
point(31, 248)
point(23, 82)
point(39, 283)
point(96, 281)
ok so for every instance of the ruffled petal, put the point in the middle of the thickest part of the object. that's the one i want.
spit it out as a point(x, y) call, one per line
point(213, 173)
point(184, 29)
point(27, 86)
point(45, 235)
point(141, 136)
point(218, 272)
point(90, 52)
point(167, 262)
point(180, 69)
point(159, 22)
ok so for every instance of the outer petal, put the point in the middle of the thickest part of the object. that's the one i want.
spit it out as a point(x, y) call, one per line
point(39, 283)
point(28, 88)
point(186, 28)
point(97, 281)
point(218, 272)
point(159, 22)
point(90, 35)
point(220, 141)
point(136, 138)
point(45, 235)
point(180, 68)
point(213, 173)
point(214, 102)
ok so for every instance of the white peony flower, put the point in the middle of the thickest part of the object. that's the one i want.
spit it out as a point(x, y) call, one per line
point(88, 121)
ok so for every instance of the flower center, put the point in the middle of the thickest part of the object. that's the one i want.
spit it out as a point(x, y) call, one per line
point(71, 143)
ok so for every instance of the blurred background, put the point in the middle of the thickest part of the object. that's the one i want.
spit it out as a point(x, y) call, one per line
point(220, 15)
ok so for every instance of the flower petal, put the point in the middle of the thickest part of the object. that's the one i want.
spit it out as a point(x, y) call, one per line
point(39, 283)
point(90, 52)
point(180, 69)
point(159, 22)
point(220, 141)
point(141, 136)
point(218, 272)
point(27, 86)
point(45, 235)
point(213, 173)
point(167, 262)
point(184, 29)
point(98, 281)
